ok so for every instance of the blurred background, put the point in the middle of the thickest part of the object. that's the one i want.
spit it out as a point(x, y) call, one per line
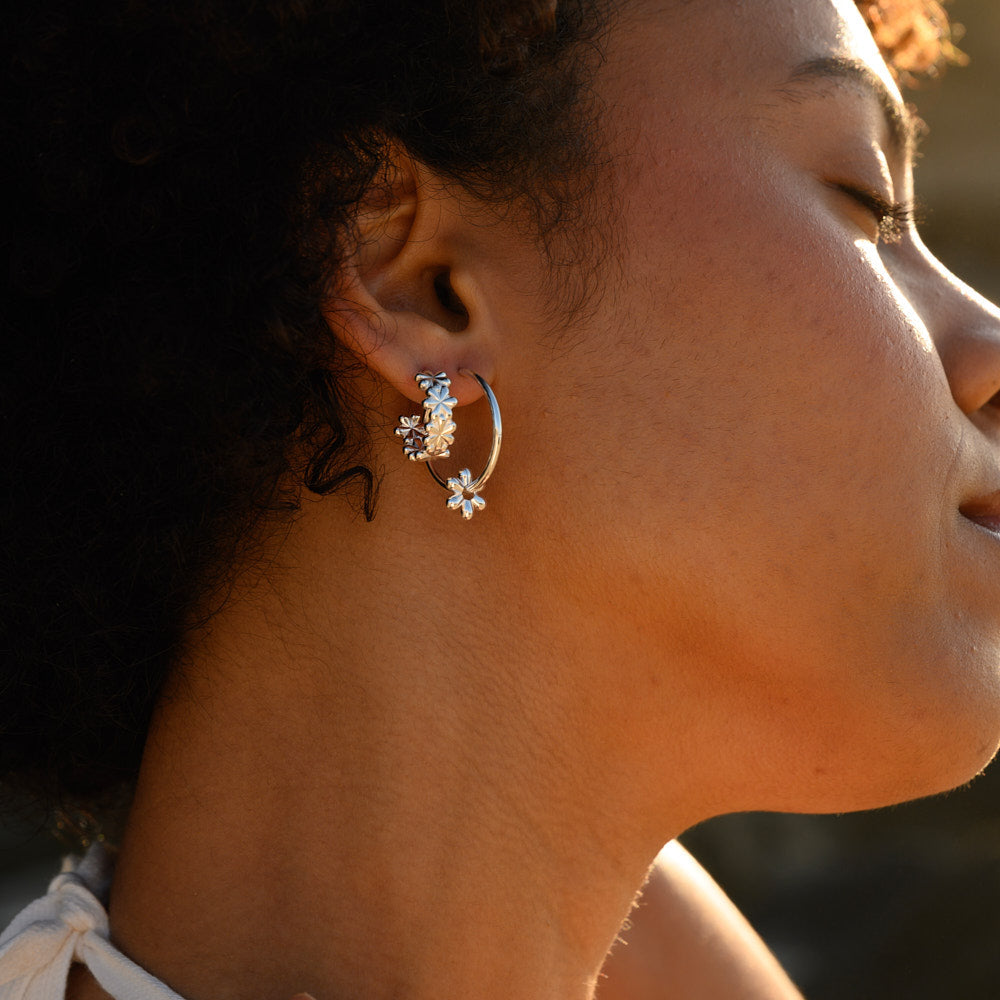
point(901, 904)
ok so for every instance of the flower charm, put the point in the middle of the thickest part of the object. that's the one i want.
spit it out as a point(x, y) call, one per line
point(438, 404)
point(426, 381)
point(459, 486)
point(431, 434)
point(411, 430)
point(439, 436)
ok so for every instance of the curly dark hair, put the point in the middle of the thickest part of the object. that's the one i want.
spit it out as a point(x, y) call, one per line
point(184, 181)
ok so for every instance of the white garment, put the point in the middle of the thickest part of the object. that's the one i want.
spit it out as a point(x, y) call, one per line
point(70, 925)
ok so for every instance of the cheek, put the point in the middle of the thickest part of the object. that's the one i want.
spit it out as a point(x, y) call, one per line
point(767, 343)
point(797, 439)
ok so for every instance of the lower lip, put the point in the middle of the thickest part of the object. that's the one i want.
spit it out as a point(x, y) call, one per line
point(991, 522)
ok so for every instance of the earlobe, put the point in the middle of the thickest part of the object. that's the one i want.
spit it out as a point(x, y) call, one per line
point(407, 300)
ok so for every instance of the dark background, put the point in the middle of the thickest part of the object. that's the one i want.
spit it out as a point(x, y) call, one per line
point(901, 903)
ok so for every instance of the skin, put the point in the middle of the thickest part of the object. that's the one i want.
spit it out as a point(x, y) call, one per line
point(685, 939)
point(724, 563)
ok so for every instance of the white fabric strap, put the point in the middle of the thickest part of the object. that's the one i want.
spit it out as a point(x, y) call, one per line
point(70, 924)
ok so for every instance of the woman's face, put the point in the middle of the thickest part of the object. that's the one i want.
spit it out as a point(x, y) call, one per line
point(779, 429)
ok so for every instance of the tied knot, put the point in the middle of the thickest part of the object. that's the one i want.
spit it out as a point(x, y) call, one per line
point(76, 906)
point(48, 933)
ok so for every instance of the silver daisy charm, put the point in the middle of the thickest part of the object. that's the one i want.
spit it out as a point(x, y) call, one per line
point(411, 430)
point(430, 435)
point(439, 436)
point(461, 485)
point(427, 381)
point(438, 403)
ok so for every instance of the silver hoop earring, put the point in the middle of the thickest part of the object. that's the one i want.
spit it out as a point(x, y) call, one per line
point(430, 435)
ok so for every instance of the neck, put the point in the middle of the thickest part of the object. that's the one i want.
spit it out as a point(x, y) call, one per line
point(331, 806)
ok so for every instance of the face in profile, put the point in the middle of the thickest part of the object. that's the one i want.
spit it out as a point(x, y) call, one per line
point(793, 428)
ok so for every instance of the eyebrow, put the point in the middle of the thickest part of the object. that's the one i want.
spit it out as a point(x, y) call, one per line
point(903, 124)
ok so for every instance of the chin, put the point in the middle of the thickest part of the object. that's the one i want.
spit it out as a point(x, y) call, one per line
point(946, 752)
point(916, 733)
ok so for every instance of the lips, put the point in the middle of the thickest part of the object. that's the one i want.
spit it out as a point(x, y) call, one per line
point(984, 511)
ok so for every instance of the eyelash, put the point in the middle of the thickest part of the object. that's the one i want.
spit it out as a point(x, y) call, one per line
point(893, 218)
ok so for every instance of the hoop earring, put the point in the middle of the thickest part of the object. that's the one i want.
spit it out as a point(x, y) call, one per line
point(430, 436)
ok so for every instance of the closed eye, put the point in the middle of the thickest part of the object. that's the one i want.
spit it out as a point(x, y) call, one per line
point(892, 218)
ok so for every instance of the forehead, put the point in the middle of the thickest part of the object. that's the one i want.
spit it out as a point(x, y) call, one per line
point(704, 48)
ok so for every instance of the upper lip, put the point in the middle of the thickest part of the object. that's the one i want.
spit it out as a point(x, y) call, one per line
point(984, 510)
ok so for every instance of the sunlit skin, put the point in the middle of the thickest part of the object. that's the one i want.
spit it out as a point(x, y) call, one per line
point(724, 563)
point(789, 420)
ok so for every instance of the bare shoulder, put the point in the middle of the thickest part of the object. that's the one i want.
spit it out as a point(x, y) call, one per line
point(686, 939)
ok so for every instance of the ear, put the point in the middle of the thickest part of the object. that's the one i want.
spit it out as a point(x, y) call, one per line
point(412, 297)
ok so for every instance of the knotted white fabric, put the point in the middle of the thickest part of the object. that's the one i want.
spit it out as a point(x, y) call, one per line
point(70, 925)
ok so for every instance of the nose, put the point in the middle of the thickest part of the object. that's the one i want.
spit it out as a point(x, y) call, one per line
point(965, 328)
point(972, 363)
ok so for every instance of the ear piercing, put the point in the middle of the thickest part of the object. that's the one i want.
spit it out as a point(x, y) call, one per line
point(429, 435)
